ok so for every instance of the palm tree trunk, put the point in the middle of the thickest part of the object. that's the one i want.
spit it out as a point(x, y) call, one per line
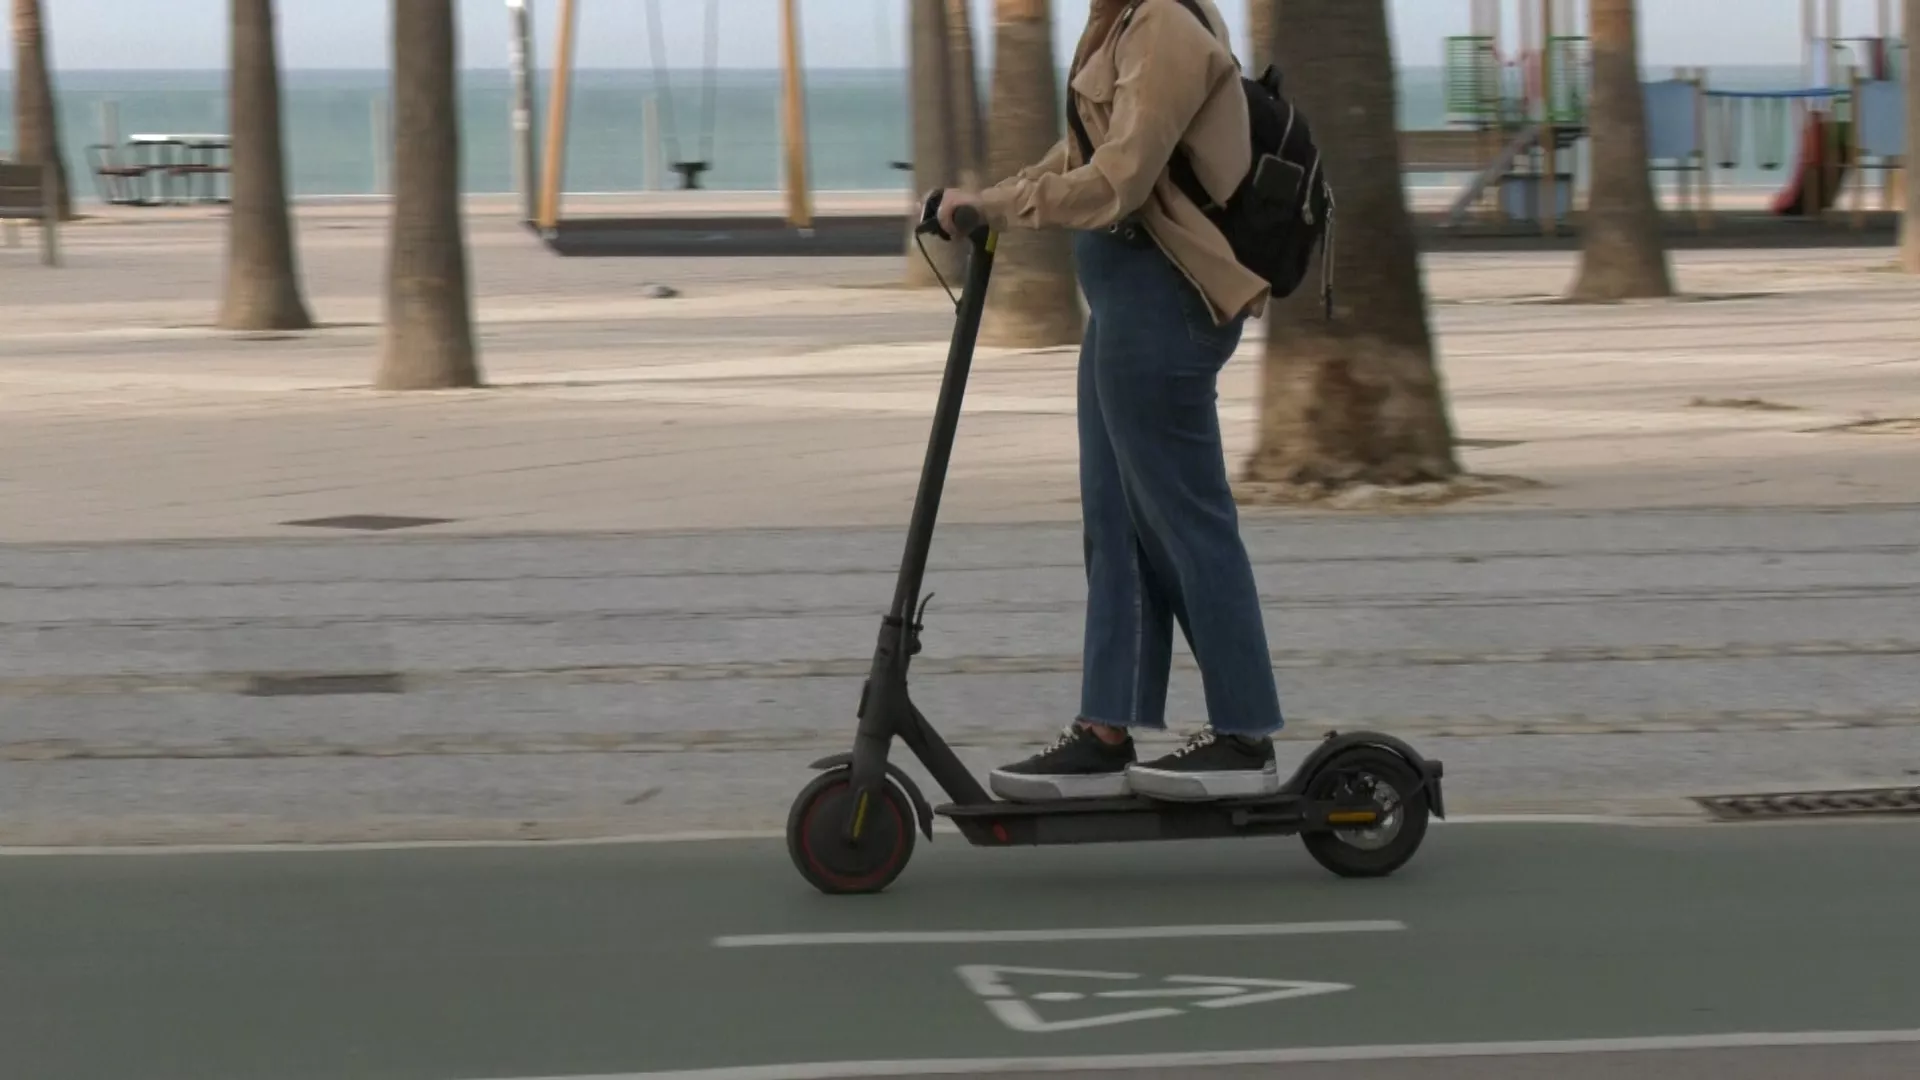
point(1910, 216)
point(1622, 252)
point(967, 131)
point(36, 121)
point(1034, 302)
point(936, 150)
point(1358, 398)
point(263, 286)
point(429, 328)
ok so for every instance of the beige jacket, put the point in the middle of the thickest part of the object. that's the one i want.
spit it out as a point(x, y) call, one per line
point(1159, 83)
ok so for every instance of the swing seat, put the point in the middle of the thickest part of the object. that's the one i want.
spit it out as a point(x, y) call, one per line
point(690, 173)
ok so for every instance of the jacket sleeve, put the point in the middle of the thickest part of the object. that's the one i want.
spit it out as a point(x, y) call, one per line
point(1053, 164)
point(1165, 74)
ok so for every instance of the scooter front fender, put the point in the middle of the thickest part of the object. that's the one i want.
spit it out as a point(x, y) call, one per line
point(922, 809)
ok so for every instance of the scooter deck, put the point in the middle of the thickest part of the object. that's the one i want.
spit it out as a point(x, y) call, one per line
point(1124, 820)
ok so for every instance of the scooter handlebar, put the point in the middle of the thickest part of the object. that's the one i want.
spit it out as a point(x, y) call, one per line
point(968, 221)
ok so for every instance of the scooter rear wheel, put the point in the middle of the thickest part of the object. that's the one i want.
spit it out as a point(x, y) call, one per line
point(817, 836)
point(1385, 779)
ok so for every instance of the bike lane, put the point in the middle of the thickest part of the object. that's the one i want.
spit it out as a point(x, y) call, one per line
point(485, 964)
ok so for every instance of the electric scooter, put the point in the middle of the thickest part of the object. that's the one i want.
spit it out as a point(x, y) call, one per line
point(1360, 801)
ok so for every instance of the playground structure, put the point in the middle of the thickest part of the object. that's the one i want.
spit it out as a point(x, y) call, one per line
point(1518, 115)
point(1518, 118)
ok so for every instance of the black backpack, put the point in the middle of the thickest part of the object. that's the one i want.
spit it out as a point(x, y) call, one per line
point(1283, 208)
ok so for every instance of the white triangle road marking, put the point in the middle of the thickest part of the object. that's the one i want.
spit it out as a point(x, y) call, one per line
point(1218, 992)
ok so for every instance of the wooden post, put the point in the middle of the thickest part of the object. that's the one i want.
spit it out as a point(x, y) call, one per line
point(558, 89)
point(794, 116)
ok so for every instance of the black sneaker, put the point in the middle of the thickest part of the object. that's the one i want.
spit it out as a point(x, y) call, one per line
point(1210, 766)
point(1080, 765)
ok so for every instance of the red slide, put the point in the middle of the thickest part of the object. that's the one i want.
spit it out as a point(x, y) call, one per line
point(1814, 141)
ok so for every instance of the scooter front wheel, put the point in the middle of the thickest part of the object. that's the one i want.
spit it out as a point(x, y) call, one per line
point(818, 840)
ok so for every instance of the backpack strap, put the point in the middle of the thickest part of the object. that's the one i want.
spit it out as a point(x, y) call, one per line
point(1179, 167)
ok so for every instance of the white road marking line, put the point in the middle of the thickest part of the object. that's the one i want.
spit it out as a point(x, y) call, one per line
point(294, 847)
point(1621, 821)
point(1103, 933)
point(854, 1070)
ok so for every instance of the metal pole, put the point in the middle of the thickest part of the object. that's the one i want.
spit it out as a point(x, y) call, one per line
point(1833, 47)
point(652, 176)
point(1549, 137)
point(377, 121)
point(110, 129)
point(1809, 16)
point(520, 63)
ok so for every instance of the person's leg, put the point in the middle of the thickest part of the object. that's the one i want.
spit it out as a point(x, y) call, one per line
point(1157, 383)
point(1127, 649)
point(1127, 646)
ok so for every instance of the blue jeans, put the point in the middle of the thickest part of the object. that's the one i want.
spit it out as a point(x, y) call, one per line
point(1162, 533)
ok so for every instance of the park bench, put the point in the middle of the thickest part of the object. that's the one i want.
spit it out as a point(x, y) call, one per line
point(27, 194)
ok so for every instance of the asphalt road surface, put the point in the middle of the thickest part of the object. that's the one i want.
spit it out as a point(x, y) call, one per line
point(1501, 951)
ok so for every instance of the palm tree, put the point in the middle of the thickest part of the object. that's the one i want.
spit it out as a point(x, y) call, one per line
point(936, 149)
point(1622, 252)
point(1910, 236)
point(429, 327)
point(1357, 398)
point(1034, 301)
point(263, 286)
point(36, 123)
point(966, 94)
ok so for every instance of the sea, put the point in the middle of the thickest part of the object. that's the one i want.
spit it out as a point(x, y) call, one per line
point(335, 125)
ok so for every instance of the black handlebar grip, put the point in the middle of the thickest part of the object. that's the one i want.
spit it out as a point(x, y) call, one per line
point(968, 220)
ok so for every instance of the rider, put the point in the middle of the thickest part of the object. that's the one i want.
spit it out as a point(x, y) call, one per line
point(1168, 301)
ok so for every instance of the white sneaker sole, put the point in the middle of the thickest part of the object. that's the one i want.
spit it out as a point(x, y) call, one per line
point(1016, 787)
point(1203, 787)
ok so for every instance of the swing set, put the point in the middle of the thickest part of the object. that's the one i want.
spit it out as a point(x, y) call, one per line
point(1848, 120)
point(800, 231)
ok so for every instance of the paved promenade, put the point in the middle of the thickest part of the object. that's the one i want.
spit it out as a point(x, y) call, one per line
point(669, 526)
point(796, 394)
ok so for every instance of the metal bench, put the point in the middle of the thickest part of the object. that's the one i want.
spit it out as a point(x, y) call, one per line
point(27, 194)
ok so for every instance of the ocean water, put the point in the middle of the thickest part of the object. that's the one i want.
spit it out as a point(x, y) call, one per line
point(857, 120)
